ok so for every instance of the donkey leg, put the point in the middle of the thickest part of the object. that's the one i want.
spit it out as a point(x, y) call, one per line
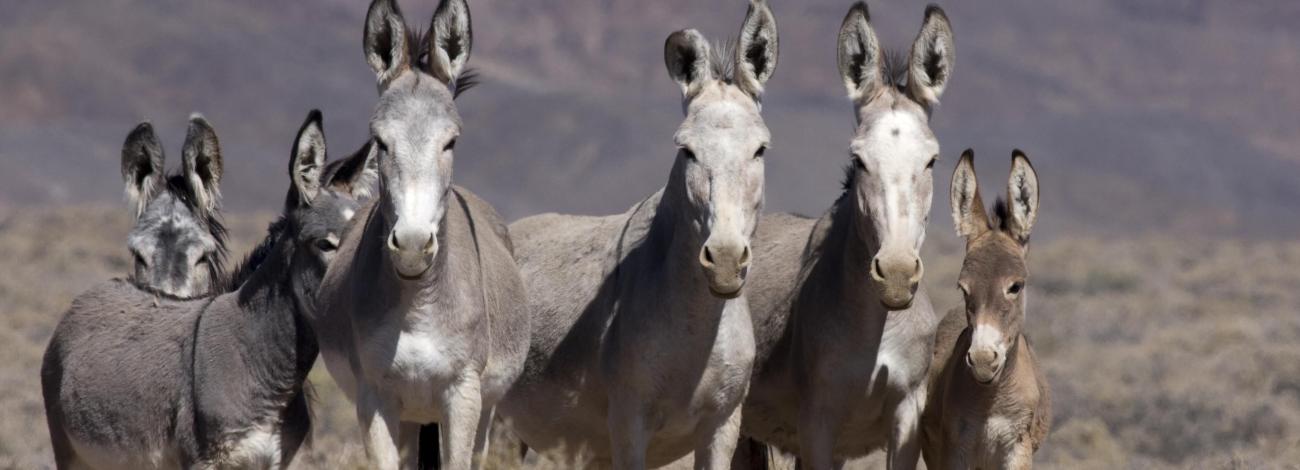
point(905, 437)
point(409, 444)
point(481, 436)
point(716, 450)
point(378, 419)
point(627, 436)
point(462, 405)
point(816, 441)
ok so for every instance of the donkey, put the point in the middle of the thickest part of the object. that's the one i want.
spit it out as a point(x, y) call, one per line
point(843, 327)
point(989, 405)
point(135, 380)
point(178, 242)
point(643, 342)
point(425, 318)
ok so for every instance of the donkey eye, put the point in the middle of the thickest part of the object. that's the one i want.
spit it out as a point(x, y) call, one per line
point(857, 163)
point(382, 146)
point(930, 165)
point(325, 245)
point(450, 146)
point(1015, 288)
point(140, 259)
point(761, 150)
point(688, 154)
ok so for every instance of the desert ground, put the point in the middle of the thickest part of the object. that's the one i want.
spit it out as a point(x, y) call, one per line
point(1161, 351)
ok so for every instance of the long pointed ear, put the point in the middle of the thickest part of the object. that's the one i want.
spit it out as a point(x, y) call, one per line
point(931, 61)
point(1022, 192)
point(449, 45)
point(756, 50)
point(201, 162)
point(385, 41)
point(860, 59)
point(967, 206)
point(686, 54)
point(142, 166)
point(308, 160)
point(358, 174)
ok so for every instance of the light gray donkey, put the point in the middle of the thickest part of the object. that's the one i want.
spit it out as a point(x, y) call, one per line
point(844, 331)
point(178, 242)
point(133, 380)
point(642, 343)
point(423, 317)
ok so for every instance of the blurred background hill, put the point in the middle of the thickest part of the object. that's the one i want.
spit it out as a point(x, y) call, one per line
point(1142, 115)
point(1164, 289)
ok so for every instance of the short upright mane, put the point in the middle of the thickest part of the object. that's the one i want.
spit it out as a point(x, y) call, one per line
point(722, 62)
point(255, 258)
point(893, 68)
point(1001, 214)
point(418, 44)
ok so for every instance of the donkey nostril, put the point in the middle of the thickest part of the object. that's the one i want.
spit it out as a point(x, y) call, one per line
point(744, 256)
point(428, 246)
point(392, 242)
point(875, 267)
point(708, 255)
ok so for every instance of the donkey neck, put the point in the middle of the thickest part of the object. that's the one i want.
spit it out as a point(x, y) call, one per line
point(847, 249)
point(670, 250)
point(271, 305)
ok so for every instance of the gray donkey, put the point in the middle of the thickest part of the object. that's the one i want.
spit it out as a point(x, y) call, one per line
point(178, 242)
point(133, 380)
point(989, 404)
point(643, 344)
point(843, 328)
point(424, 317)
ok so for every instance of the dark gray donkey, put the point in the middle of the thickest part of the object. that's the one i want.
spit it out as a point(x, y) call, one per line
point(843, 327)
point(423, 317)
point(178, 242)
point(136, 380)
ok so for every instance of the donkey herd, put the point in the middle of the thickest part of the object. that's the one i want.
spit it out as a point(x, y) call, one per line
point(691, 323)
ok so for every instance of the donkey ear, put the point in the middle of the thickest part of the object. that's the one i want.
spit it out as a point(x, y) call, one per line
point(385, 40)
point(756, 50)
point(931, 61)
point(967, 205)
point(358, 174)
point(201, 162)
point(449, 45)
point(860, 59)
point(142, 166)
point(1022, 190)
point(686, 54)
point(308, 161)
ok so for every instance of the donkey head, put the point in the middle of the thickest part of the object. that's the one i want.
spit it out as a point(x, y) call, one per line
point(415, 124)
point(322, 200)
point(178, 242)
point(993, 275)
point(893, 150)
point(722, 141)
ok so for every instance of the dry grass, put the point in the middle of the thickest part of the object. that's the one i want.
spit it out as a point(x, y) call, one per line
point(1162, 352)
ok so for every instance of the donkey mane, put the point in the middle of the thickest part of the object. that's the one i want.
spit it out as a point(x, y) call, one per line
point(418, 46)
point(260, 254)
point(1001, 214)
point(893, 68)
point(721, 62)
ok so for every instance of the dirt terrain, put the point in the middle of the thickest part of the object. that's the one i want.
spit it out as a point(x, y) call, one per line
point(1162, 352)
